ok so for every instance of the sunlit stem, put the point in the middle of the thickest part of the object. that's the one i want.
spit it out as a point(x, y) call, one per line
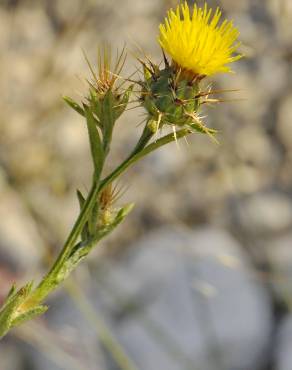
point(141, 150)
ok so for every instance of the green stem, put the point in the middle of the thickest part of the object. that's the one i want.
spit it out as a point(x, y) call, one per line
point(140, 154)
point(49, 282)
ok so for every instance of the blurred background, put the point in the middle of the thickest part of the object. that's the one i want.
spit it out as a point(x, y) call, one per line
point(199, 277)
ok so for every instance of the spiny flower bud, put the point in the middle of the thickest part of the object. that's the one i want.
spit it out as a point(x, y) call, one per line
point(168, 97)
point(198, 47)
point(103, 85)
point(107, 210)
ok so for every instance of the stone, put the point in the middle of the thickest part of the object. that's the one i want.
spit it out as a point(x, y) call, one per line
point(11, 358)
point(183, 299)
point(19, 236)
point(265, 213)
point(72, 340)
point(283, 354)
point(279, 255)
point(284, 127)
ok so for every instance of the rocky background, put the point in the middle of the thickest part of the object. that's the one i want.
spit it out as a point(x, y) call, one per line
point(200, 274)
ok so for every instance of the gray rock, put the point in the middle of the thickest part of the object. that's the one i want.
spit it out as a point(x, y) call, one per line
point(266, 214)
point(284, 127)
point(71, 342)
point(279, 253)
point(283, 354)
point(187, 301)
point(19, 237)
point(10, 356)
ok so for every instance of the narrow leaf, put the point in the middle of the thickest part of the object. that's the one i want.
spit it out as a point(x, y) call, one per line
point(8, 311)
point(81, 199)
point(108, 119)
point(122, 105)
point(28, 315)
point(95, 143)
point(74, 105)
point(85, 231)
point(11, 292)
point(92, 221)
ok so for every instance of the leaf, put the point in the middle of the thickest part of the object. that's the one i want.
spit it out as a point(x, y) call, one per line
point(85, 231)
point(122, 104)
point(11, 292)
point(9, 309)
point(82, 249)
point(31, 313)
point(95, 105)
point(81, 199)
point(120, 216)
point(74, 105)
point(124, 211)
point(78, 253)
point(95, 143)
point(15, 295)
point(92, 221)
point(107, 119)
point(199, 127)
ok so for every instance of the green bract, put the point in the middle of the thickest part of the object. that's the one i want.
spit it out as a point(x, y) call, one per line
point(169, 98)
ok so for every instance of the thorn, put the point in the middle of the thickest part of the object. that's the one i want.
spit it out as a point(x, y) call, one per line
point(214, 101)
point(203, 127)
point(213, 92)
point(137, 106)
point(176, 79)
point(186, 140)
point(158, 126)
point(90, 66)
point(141, 122)
point(166, 63)
point(175, 137)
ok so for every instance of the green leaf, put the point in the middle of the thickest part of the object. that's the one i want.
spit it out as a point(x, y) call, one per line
point(9, 309)
point(124, 211)
point(85, 231)
point(203, 129)
point(200, 128)
point(122, 104)
point(81, 199)
point(77, 254)
point(95, 105)
point(74, 105)
point(107, 118)
point(81, 250)
point(92, 221)
point(11, 292)
point(95, 143)
point(120, 216)
point(28, 315)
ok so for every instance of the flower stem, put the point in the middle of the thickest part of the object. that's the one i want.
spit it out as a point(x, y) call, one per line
point(52, 279)
point(135, 156)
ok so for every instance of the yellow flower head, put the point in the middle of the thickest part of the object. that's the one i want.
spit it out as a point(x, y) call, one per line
point(196, 43)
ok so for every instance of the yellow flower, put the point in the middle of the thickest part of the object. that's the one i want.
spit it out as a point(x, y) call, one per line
point(196, 43)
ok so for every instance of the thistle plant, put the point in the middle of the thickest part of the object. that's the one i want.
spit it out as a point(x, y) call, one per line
point(194, 46)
